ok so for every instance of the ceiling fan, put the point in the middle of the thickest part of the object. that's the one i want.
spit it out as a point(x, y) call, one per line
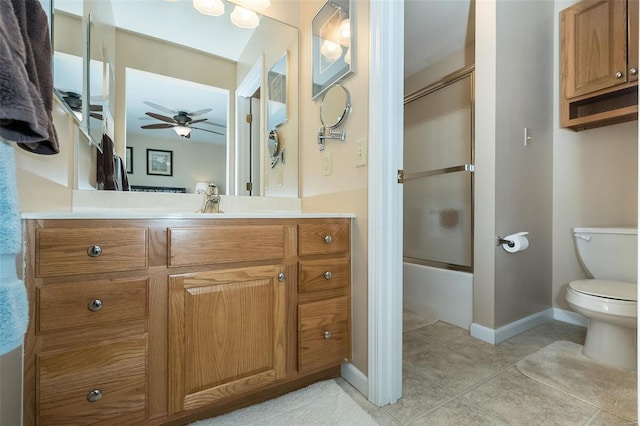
point(181, 121)
point(74, 101)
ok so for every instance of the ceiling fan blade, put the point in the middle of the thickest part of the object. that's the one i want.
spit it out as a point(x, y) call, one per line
point(198, 121)
point(207, 130)
point(96, 116)
point(161, 108)
point(95, 107)
point(210, 123)
point(161, 117)
point(158, 126)
point(200, 112)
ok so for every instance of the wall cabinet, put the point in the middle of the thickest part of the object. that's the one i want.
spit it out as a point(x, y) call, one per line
point(156, 321)
point(598, 63)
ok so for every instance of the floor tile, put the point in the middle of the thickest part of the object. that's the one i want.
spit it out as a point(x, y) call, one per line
point(458, 412)
point(461, 363)
point(604, 418)
point(518, 400)
point(412, 320)
point(419, 395)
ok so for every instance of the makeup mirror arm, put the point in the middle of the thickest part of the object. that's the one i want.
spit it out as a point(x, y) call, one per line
point(326, 133)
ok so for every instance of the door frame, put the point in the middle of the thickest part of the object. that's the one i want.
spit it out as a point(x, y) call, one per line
point(386, 100)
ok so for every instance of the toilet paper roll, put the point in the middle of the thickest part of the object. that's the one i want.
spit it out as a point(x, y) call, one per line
point(520, 242)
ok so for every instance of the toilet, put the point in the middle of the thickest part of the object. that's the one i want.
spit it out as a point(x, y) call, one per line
point(609, 300)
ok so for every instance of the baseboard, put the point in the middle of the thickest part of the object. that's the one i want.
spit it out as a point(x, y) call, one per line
point(505, 332)
point(355, 377)
point(570, 317)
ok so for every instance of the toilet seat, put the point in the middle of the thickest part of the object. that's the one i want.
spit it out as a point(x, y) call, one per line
point(614, 290)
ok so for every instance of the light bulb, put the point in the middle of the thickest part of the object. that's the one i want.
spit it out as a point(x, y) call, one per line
point(209, 7)
point(331, 50)
point(344, 32)
point(244, 18)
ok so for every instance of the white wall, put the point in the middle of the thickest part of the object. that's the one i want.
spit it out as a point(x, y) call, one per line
point(345, 190)
point(192, 162)
point(595, 182)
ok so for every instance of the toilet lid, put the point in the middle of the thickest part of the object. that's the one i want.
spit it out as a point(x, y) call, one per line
point(609, 289)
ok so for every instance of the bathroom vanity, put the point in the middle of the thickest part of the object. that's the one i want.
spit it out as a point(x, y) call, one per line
point(161, 320)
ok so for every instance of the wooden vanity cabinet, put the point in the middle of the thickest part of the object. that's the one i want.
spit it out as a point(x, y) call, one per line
point(598, 63)
point(157, 321)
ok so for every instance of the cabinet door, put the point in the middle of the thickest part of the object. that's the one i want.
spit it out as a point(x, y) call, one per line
point(594, 45)
point(226, 333)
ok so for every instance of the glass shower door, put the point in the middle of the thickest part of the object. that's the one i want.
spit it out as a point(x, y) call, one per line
point(438, 178)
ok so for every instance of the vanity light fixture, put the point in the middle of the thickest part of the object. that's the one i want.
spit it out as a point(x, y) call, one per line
point(344, 32)
point(209, 7)
point(331, 50)
point(244, 18)
point(182, 131)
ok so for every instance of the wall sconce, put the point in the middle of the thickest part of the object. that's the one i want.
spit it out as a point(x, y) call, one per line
point(330, 50)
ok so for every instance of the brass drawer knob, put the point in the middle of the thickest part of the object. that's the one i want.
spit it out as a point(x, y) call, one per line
point(327, 239)
point(94, 395)
point(326, 334)
point(94, 251)
point(95, 305)
point(282, 277)
point(328, 275)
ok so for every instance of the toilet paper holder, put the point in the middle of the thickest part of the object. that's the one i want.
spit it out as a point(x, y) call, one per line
point(500, 241)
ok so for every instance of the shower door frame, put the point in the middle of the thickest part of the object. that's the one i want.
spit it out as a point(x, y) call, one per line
point(456, 76)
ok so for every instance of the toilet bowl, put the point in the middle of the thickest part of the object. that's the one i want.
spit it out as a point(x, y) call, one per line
point(609, 300)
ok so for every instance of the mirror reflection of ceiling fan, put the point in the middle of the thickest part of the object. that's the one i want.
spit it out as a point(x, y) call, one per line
point(180, 121)
point(74, 101)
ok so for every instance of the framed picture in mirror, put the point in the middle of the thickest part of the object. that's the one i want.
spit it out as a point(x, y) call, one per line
point(333, 45)
point(129, 160)
point(159, 162)
point(277, 93)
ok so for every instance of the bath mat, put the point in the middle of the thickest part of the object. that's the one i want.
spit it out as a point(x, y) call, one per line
point(562, 366)
point(323, 403)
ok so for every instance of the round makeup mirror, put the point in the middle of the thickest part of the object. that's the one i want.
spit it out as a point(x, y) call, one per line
point(273, 143)
point(335, 106)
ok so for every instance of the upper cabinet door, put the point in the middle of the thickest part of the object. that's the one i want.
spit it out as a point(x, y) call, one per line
point(595, 45)
point(632, 11)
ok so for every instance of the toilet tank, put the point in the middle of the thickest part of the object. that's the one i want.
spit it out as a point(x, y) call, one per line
point(609, 253)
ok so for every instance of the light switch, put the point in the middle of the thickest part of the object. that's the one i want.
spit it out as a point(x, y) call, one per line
point(327, 163)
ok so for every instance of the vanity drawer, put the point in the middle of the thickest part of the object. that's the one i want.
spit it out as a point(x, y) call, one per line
point(72, 251)
point(112, 374)
point(323, 334)
point(66, 306)
point(323, 238)
point(325, 274)
point(225, 244)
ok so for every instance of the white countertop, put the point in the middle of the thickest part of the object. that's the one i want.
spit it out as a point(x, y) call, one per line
point(133, 214)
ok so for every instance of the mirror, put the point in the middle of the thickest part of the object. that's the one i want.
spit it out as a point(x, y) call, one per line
point(333, 45)
point(275, 151)
point(333, 110)
point(181, 47)
point(335, 106)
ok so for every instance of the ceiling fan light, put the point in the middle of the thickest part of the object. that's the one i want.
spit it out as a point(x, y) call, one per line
point(182, 131)
point(209, 7)
point(244, 18)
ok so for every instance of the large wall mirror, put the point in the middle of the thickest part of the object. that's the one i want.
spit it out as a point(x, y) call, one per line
point(175, 73)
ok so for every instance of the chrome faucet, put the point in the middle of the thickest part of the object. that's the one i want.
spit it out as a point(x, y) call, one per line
point(211, 198)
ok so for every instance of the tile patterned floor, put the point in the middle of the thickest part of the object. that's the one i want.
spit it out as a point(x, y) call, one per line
point(450, 378)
